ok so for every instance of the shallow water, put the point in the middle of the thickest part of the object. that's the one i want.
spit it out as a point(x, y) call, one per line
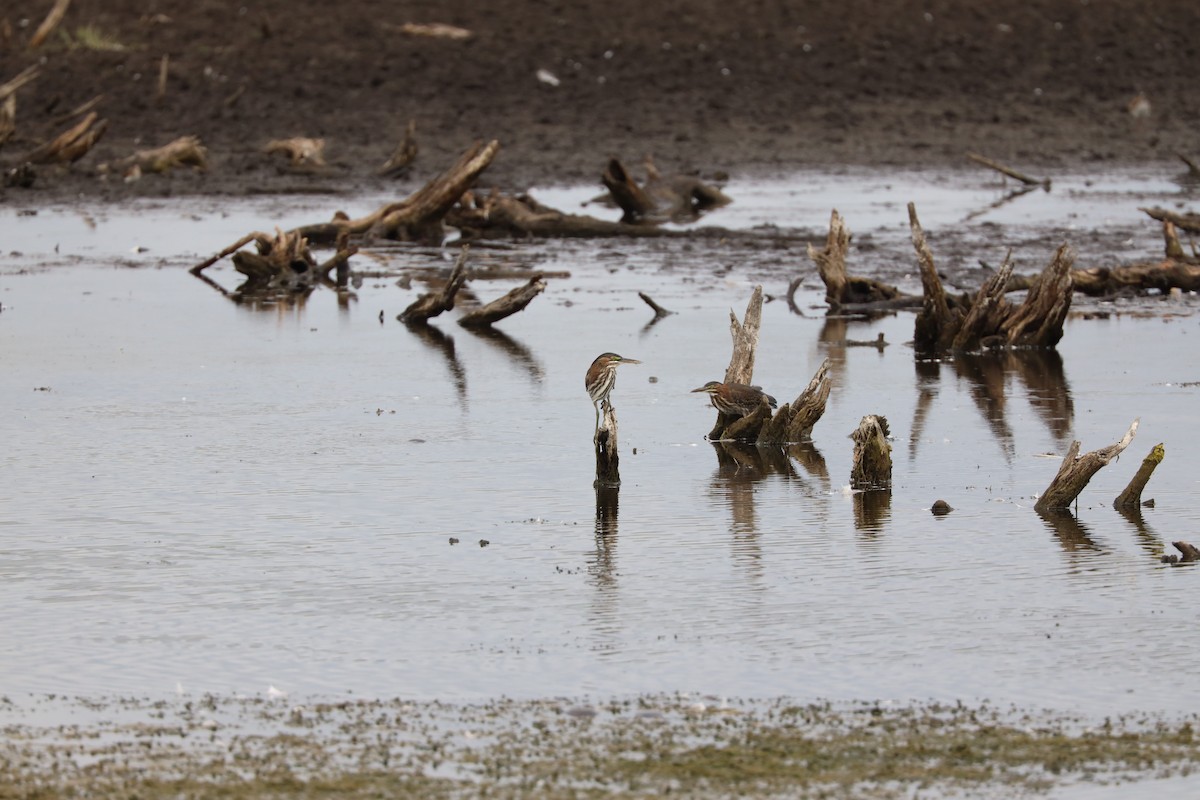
point(207, 496)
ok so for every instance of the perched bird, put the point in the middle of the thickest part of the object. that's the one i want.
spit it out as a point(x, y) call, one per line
point(735, 399)
point(601, 377)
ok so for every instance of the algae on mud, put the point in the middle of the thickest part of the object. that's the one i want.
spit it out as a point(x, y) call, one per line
point(642, 746)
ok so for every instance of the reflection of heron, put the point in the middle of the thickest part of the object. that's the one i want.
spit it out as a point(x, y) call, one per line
point(602, 377)
point(735, 399)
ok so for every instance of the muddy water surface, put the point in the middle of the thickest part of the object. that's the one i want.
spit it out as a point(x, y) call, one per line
point(211, 496)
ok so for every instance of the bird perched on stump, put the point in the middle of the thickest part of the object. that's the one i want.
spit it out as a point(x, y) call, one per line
point(735, 399)
point(602, 377)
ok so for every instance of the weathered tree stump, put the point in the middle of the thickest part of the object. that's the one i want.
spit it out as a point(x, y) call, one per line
point(608, 460)
point(1077, 470)
point(871, 464)
point(1188, 554)
point(842, 289)
point(282, 263)
point(1131, 496)
point(741, 367)
point(431, 304)
point(794, 421)
point(990, 321)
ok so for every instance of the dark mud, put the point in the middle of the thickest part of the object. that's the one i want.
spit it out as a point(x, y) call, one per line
point(748, 88)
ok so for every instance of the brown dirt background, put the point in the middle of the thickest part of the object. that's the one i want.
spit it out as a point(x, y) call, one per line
point(745, 87)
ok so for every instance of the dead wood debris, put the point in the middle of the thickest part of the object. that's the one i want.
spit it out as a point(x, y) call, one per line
point(404, 154)
point(52, 20)
point(433, 30)
point(186, 151)
point(1188, 554)
point(659, 311)
point(431, 304)
point(675, 198)
point(302, 152)
point(1077, 470)
point(871, 465)
point(72, 144)
point(1009, 171)
point(1131, 495)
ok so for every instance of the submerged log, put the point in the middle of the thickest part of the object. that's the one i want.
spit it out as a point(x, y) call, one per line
point(842, 289)
point(1131, 496)
point(431, 304)
point(505, 306)
point(871, 465)
point(1077, 470)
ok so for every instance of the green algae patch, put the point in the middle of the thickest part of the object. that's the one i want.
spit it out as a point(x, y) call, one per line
point(645, 746)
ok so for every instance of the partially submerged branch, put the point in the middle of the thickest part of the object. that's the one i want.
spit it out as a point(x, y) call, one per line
point(433, 303)
point(505, 306)
point(1077, 470)
point(1009, 171)
point(1131, 496)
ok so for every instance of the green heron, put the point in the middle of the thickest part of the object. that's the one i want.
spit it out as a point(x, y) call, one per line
point(602, 377)
point(735, 399)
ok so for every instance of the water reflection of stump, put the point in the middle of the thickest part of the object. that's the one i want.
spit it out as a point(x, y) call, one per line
point(1072, 536)
point(871, 509)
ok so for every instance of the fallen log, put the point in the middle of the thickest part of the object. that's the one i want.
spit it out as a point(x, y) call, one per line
point(505, 306)
point(1077, 470)
point(1131, 495)
point(433, 303)
point(871, 464)
point(1189, 222)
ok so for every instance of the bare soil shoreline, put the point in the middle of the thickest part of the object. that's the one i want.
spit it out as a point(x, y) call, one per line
point(750, 88)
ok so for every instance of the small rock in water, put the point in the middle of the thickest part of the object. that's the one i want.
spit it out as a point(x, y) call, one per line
point(941, 508)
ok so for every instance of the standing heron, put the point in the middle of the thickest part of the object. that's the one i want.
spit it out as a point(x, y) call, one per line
point(602, 377)
point(735, 399)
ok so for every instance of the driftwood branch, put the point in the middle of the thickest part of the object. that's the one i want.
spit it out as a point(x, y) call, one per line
point(1077, 470)
point(1189, 222)
point(1131, 496)
point(302, 152)
point(505, 306)
point(433, 303)
point(659, 311)
point(23, 77)
point(871, 465)
point(1009, 171)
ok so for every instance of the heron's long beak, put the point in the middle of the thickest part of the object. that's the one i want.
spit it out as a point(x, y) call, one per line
point(629, 360)
point(701, 389)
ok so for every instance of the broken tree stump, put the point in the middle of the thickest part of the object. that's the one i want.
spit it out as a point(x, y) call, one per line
point(871, 465)
point(608, 461)
point(1077, 470)
point(282, 263)
point(794, 421)
point(842, 289)
point(1131, 496)
point(431, 304)
point(505, 306)
point(741, 365)
point(1188, 554)
point(990, 320)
